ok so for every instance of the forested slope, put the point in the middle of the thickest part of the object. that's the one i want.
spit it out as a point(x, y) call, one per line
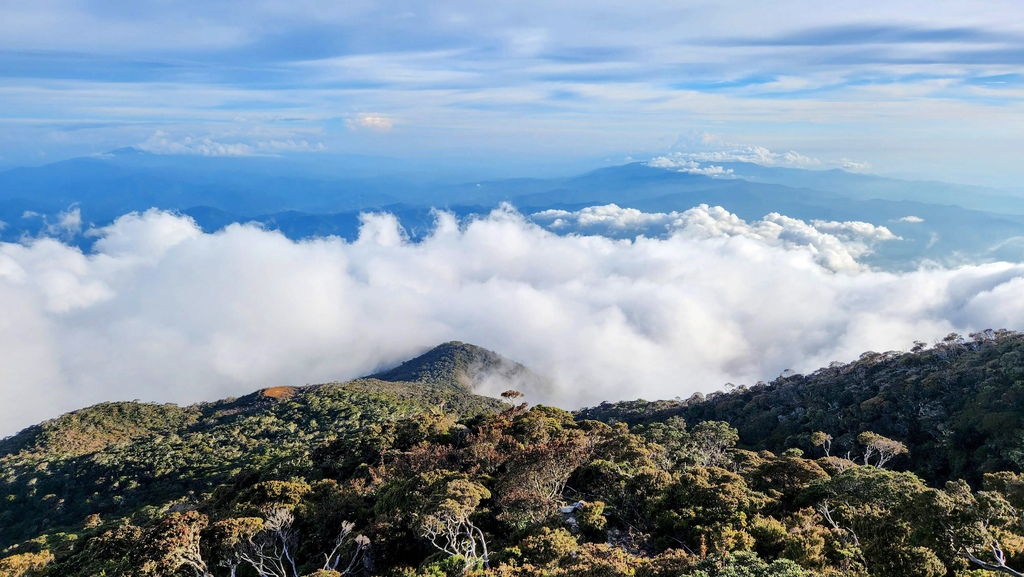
point(424, 478)
point(122, 458)
point(958, 405)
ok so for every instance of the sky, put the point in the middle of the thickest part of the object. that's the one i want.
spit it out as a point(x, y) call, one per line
point(923, 89)
point(159, 310)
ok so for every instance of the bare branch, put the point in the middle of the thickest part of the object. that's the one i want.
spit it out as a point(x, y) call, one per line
point(1000, 558)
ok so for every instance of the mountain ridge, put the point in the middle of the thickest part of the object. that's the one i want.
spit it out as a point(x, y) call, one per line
point(462, 365)
point(302, 201)
point(450, 366)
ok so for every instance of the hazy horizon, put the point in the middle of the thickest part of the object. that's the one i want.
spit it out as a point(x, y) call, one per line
point(911, 89)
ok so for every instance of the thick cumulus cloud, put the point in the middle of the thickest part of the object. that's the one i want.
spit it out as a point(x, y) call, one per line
point(835, 246)
point(162, 311)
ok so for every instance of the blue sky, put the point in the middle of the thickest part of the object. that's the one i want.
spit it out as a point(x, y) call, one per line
point(912, 88)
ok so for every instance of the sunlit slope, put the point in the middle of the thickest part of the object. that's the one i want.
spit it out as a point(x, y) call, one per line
point(118, 487)
point(120, 458)
point(958, 405)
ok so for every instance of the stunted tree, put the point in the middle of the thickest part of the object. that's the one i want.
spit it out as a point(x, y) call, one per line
point(439, 506)
point(709, 441)
point(823, 440)
point(271, 551)
point(267, 497)
point(884, 447)
point(332, 559)
point(706, 509)
point(672, 436)
point(173, 544)
point(511, 395)
point(978, 525)
point(449, 526)
point(229, 539)
point(875, 513)
point(706, 445)
point(547, 446)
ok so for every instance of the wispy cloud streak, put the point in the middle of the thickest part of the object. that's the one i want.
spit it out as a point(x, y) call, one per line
point(599, 79)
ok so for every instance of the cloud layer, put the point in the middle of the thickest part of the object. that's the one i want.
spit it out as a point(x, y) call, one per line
point(162, 311)
point(835, 246)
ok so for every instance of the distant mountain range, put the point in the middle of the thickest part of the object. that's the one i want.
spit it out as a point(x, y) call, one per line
point(950, 223)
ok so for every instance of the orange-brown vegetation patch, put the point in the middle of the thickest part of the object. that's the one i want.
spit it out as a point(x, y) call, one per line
point(279, 392)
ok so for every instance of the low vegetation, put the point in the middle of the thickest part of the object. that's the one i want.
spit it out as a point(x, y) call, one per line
point(899, 464)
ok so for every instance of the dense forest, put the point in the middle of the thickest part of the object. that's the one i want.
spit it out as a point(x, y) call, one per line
point(897, 464)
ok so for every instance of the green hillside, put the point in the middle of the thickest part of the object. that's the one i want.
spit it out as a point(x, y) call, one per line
point(117, 459)
point(958, 405)
point(898, 464)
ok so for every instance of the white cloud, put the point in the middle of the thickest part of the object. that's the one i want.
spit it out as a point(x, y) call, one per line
point(70, 221)
point(68, 225)
point(162, 143)
point(143, 237)
point(609, 218)
point(161, 311)
point(1011, 249)
point(755, 154)
point(689, 167)
point(911, 219)
point(695, 148)
point(289, 146)
point(833, 245)
point(854, 230)
point(853, 165)
point(370, 122)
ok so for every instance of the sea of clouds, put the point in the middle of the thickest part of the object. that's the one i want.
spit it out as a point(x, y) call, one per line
point(161, 311)
point(833, 245)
